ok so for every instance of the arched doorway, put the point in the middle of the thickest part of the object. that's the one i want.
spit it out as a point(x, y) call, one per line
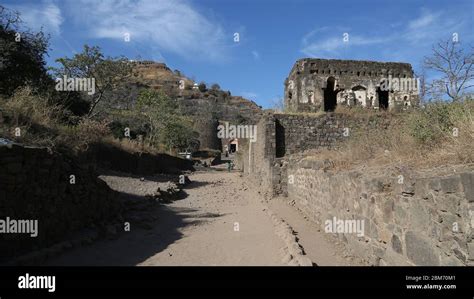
point(383, 98)
point(330, 94)
point(360, 95)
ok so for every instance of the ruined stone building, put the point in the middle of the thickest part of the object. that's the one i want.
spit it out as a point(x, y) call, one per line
point(322, 84)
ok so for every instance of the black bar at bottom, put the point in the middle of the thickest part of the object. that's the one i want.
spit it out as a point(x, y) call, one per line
point(291, 282)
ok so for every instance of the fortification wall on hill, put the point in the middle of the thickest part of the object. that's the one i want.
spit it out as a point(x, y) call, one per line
point(409, 218)
point(281, 135)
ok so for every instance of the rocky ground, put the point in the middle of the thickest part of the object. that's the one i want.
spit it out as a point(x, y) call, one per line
point(215, 220)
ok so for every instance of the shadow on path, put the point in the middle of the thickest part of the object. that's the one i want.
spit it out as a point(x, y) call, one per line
point(144, 240)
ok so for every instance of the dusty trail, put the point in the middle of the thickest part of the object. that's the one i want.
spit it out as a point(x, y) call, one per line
point(232, 228)
point(220, 222)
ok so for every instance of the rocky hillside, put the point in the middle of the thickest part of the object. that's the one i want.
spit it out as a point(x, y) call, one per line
point(195, 99)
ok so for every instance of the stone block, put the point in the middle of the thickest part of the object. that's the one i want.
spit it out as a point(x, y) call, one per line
point(419, 218)
point(461, 255)
point(375, 185)
point(451, 261)
point(422, 188)
point(393, 258)
point(470, 249)
point(385, 235)
point(435, 184)
point(420, 250)
point(448, 203)
point(448, 220)
point(467, 180)
point(371, 228)
point(451, 184)
point(407, 189)
point(388, 207)
point(378, 251)
point(397, 244)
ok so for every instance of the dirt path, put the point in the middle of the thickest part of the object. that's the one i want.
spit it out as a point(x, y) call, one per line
point(220, 221)
point(231, 227)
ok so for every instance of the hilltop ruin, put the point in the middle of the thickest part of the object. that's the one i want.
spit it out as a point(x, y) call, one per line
point(322, 84)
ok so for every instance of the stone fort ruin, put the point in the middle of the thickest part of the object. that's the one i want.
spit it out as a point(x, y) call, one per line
point(322, 84)
point(292, 159)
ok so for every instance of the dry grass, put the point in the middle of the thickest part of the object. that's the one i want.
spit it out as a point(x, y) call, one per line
point(27, 117)
point(441, 134)
point(27, 108)
point(40, 124)
point(131, 146)
point(78, 138)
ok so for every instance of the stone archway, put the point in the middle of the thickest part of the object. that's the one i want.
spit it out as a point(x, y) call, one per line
point(360, 95)
point(330, 94)
point(382, 96)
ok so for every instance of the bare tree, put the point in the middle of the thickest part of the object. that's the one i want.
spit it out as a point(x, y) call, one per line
point(9, 18)
point(423, 84)
point(455, 66)
point(278, 104)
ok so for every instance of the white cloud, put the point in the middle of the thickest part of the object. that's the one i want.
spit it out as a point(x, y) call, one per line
point(333, 46)
point(173, 26)
point(425, 19)
point(429, 27)
point(402, 41)
point(330, 46)
point(43, 14)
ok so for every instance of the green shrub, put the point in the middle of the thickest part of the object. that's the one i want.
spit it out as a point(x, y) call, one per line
point(437, 120)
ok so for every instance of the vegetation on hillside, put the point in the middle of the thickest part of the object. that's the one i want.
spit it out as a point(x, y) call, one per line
point(34, 111)
point(22, 54)
point(140, 118)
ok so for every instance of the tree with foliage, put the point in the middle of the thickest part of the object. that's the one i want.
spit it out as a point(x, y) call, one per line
point(21, 54)
point(456, 66)
point(202, 87)
point(167, 126)
point(108, 72)
point(178, 134)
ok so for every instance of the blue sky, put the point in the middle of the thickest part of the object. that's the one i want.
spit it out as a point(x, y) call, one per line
point(197, 37)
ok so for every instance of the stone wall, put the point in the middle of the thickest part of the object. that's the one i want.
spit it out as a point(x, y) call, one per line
point(281, 135)
point(207, 130)
point(113, 158)
point(409, 218)
point(297, 133)
point(35, 184)
point(255, 159)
